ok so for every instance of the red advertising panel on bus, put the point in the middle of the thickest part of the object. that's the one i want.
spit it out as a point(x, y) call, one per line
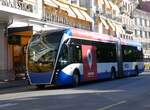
point(89, 62)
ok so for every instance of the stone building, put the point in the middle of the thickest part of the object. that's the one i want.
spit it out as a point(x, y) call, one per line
point(142, 26)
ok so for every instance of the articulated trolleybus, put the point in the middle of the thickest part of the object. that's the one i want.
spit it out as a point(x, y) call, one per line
point(70, 56)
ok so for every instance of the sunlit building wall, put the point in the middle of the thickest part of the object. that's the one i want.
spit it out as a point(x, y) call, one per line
point(142, 30)
point(10, 11)
point(66, 13)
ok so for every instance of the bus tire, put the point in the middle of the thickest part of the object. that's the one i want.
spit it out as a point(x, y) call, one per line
point(136, 71)
point(40, 86)
point(76, 79)
point(113, 73)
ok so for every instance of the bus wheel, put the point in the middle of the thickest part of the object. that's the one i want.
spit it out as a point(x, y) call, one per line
point(76, 80)
point(113, 74)
point(40, 86)
point(136, 71)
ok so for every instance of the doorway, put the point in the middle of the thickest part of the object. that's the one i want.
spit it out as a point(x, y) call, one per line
point(18, 37)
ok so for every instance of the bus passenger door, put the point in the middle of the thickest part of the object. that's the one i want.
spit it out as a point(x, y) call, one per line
point(89, 62)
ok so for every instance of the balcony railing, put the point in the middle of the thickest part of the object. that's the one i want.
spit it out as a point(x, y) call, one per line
point(55, 18)
point(17, 4)
point(60, 20)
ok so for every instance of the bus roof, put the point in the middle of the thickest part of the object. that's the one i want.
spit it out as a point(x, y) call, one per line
point(130, 42)
point(87, 35)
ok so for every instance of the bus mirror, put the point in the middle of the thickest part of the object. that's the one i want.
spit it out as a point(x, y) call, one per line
point(68, 43)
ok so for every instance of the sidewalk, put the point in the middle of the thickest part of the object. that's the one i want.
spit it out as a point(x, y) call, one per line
point(14, 83)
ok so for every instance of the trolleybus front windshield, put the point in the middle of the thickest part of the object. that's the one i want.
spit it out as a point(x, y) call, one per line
point(42, 52)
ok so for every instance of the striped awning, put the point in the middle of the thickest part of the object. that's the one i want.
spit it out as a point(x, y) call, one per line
point(50, 3)
point(65, 7)
point(86, 15)
point(120, 29)
point(111, 25)
point(78, 13)
point(104, 23)
point(113, 6)
point(107, 4)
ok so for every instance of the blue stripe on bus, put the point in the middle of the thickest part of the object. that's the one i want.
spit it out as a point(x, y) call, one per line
point(40, 78)
point(132, 72)
point(64, 79)
point(129, 72)
point(104, 75)
point(68, 32)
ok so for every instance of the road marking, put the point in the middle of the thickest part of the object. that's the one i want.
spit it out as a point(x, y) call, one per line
point(7, 105)
point(112, 105)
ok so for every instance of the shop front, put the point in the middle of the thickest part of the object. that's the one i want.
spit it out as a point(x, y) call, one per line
point(18, 38)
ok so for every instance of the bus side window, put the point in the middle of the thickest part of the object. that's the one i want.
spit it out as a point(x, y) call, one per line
point(98, 55)
point(106, 52)
point(131, 54)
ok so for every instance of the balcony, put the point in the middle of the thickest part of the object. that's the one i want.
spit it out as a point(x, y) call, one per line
point(53, 18)
point(62, 21)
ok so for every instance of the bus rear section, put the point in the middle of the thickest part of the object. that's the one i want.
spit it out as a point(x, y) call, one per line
point(132, 56)
point(41, 56)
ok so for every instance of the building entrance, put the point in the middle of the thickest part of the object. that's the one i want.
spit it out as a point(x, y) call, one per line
point(18, 37)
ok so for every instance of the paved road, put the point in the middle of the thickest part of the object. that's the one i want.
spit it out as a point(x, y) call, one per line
point(124, 94)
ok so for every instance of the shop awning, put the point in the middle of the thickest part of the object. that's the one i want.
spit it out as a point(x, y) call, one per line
point(50, 3)
point(111, 25)
point(66, 8)
point(27, 30)
point(119, 29)
point(113, 6)
point(104, 23)
point(87, 17)
point(107, 4)
point(101, 2)
point(78, 13)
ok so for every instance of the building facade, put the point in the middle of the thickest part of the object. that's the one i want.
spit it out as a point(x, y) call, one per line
point(142, 30)
point(113, 17)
